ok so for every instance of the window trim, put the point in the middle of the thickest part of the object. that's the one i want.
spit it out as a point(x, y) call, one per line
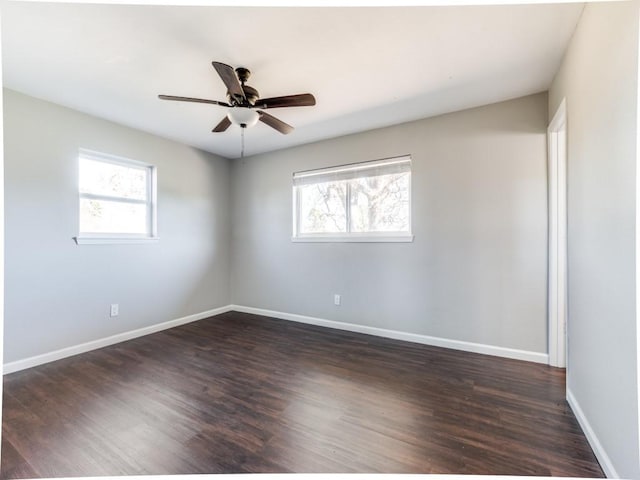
point(348, 236)
point(88, 238)
point(84, 240)
point(354, 238)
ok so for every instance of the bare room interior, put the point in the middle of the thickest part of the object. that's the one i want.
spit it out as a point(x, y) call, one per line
point(275, 239)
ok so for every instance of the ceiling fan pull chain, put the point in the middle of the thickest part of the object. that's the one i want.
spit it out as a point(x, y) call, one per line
point(242, 129)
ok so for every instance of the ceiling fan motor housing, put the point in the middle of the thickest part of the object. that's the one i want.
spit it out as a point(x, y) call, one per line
point(250, 93)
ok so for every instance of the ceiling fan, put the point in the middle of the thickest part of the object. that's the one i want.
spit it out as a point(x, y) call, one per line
point(244, 103)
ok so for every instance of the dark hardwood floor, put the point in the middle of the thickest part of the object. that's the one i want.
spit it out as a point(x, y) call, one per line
point(242, 393)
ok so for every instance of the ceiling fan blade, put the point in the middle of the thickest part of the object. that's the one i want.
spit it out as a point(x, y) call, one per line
point(189, 99)
point(273, 122)
point(301, 100)
point(223, 125)
point(230, 79)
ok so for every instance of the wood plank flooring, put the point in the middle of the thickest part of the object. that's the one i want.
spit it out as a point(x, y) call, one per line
point(243, 393)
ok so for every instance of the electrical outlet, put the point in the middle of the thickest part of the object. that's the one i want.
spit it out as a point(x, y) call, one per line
point(336, 299)
point(114, 309)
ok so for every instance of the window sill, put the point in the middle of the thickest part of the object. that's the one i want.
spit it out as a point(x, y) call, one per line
point(355, 239)
point(114, 240)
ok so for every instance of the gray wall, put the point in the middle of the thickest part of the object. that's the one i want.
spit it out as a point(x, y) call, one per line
point(476, 270)
point(599, 79)
point(58, 293)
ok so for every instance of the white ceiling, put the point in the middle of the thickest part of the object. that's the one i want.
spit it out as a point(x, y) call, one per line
point(367, 67)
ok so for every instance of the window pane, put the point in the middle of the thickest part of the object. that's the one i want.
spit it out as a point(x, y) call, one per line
point(380, 204)
point(323, 208)
point(101, 216)
point(102, 178)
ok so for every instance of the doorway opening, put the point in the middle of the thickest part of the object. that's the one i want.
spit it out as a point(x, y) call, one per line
point(557, 294)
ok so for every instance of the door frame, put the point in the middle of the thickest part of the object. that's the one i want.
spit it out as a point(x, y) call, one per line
point(557, 261)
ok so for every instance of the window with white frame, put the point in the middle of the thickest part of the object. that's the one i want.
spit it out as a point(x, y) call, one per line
point(117, 199)
point(368, 201)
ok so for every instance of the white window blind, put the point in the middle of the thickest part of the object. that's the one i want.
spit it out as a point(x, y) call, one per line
point(357, 170)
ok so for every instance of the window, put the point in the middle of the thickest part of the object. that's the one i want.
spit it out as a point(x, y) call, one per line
point(369, 201)
point(117, 199)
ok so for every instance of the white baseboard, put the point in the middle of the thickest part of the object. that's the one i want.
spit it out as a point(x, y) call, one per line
point(397, 335)
point(596, 446)
point(351, 327)
point(104, 342)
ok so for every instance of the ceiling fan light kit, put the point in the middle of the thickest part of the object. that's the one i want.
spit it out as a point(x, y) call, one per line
point(244, 101)
point(244, 117)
